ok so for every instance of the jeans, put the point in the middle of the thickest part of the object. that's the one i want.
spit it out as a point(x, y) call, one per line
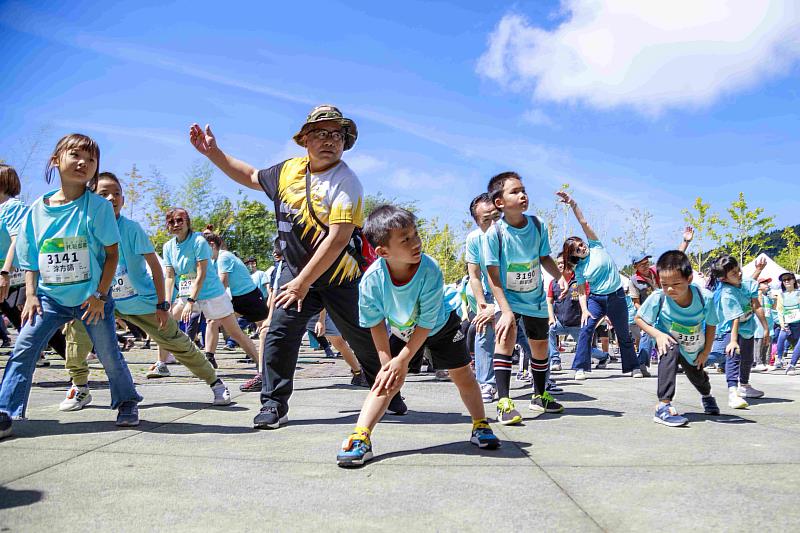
point(16, 385)
point(616, 308)
point(793, 336)
point(645, 349)
point(484, 350)
point(738, 365)
point(574, 332)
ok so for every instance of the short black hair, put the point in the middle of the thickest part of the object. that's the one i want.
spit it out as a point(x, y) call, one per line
point(94, 182)
point(482, 198)
point(674, 260)
point(495, 188)
point(383, 219)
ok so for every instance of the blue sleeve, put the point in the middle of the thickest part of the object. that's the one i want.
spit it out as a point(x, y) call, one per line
point(166, 252)
point(578, 271)
point(752, 287)
point(226, 263)
point(201, 249)
point(729, 305)
point(711, 313)
point(103, 223)
point(544, 241)
point(141, 242)
point(594, 244)
point(491, 246)
point(370, 302)
point(13, 216)
point(473, 252)
point(431, 297)
point(648, 311)
point(26, 250)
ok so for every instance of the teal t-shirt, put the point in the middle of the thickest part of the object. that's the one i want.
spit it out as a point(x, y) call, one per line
point(769, 313)
point(420, 302)
point(631, 309)
point(261, 280)
point(468, 296)
point(133, 290)
point(239, 280)
point(66, 245)
point(687, 325)
point(599, 270)
point(183, 257)
point(11, 214)
point(791, 306)
point(519, 262)
point(473, 253)
point(736, 302)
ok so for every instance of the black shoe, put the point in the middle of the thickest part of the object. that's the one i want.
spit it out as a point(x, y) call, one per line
point(645, 372)
point(6, 344)
point(269, 418)
point(397, 406)
point(5, 425)
point(146, 345)
point(212, 359)
point(359, 380)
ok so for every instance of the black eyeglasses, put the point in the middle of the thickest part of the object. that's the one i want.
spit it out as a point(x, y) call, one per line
point(177, 220)
point(324, 135)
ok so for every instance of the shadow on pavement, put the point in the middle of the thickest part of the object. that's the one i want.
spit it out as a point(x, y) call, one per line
point(18, 498)
point(759, 401)
point(585, 411)
point(719, 419)
point(193, 406)
point(42, 428)
point(508, 449)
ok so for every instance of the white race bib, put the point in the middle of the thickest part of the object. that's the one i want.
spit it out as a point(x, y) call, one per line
point(691, 338)
point(791, 315)
point(185, 284)
point(523, 277)
point(16, 278)
point(64, 260)
point(122, 288)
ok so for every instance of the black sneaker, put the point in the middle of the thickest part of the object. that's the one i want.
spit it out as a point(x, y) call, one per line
point(269, 418)
point(645, 371)
point(6, 344)
point(710, 406)
point(212, 359)
point(545, 403)
point(5, 425)
point(128, 414)
point(359, 380)
point(397, 406)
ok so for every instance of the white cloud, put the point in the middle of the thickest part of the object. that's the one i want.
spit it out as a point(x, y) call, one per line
point(364, 164)
point(648, 55)
point(537, 117)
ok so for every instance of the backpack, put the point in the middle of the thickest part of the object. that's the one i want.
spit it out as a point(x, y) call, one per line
point(358, 247)
point(567, 311)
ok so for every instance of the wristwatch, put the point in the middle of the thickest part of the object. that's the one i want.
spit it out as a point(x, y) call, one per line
point(191, 300)
point(100, 296)
point(163, 306)
point(4, 273)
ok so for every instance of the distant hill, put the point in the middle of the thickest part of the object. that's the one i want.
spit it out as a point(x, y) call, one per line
point(775, 243)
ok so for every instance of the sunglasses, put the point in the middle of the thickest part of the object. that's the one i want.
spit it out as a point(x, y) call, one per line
point(176, 220)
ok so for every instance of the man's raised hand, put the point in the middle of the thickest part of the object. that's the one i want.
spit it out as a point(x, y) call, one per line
point(203, 141)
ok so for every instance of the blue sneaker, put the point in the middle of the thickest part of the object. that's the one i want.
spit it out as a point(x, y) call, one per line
point(668, 415)
point(128, 414)
point(356, 450)
point(484, 437)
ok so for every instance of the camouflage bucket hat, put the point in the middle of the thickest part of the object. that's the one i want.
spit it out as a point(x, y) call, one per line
point(325, 112)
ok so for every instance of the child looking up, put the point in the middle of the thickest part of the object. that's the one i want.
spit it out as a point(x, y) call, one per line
point(405, 288)
point(682, 319)
point(736, 303)
point(68, 245)
point(516, 248)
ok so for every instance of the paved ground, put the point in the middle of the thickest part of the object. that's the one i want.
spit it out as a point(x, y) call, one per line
point(602, 465)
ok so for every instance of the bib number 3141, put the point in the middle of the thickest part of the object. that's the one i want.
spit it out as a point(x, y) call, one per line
point(64, 260)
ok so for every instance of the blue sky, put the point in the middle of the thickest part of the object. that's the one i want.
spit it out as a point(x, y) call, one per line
point(633, 105)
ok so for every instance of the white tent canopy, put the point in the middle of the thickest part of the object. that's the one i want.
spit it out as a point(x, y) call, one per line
point(772, 270)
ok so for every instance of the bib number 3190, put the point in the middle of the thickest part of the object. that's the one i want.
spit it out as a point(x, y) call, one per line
point(64, 261)
point(522, 277)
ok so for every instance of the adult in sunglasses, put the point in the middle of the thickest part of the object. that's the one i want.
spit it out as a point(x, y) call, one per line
point(318, 204)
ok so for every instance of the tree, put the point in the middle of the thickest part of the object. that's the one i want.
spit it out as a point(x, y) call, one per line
point(746, 230)
point(199, 195)
point(136, 195)
point(704, 222)
point(445, 246)
point(636, 237)
point(789, 256)
point(161, 201)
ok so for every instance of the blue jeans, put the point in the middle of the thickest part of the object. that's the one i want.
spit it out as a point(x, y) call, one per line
point(484, 350)
point(16, 385)
point(645, 349)
point(614, 306)
point(738, 365)
point(717, 353)
point(792, 335)
point(574, 332)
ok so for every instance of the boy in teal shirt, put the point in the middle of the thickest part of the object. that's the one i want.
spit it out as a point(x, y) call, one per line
point(405, 289)
point(682, 319)
point(516, 248)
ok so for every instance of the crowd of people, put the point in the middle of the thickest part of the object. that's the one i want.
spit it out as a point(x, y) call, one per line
point(74, 265)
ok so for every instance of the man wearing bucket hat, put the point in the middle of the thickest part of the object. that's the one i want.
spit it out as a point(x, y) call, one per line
point(319, 209)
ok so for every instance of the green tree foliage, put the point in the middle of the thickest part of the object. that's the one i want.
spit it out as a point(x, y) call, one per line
point(444, 245)
point(161, 198)
point(704, 222)
point(745, 232)
point(636, 238)
point(789, 256)
point(136, 195)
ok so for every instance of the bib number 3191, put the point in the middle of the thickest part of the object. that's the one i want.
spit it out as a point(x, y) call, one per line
point(64, 260)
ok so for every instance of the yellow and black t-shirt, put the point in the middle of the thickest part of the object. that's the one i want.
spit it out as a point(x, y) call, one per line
point(337, 196)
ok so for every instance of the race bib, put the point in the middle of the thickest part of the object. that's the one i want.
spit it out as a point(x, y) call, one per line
point(122, 288)
point(691, 338)
point(523, 277)
point(403, 334)
point(64, 261)
point(791, 314)
point(16, 278)
point(748, 314)
point(185, 284)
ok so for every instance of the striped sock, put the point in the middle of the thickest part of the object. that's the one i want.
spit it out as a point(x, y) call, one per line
point(539, 372)
point(502, 372)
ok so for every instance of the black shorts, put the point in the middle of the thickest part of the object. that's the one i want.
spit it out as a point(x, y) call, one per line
point(602, 331)
point(448, 346)
point(251, 305)
point(536, 329)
